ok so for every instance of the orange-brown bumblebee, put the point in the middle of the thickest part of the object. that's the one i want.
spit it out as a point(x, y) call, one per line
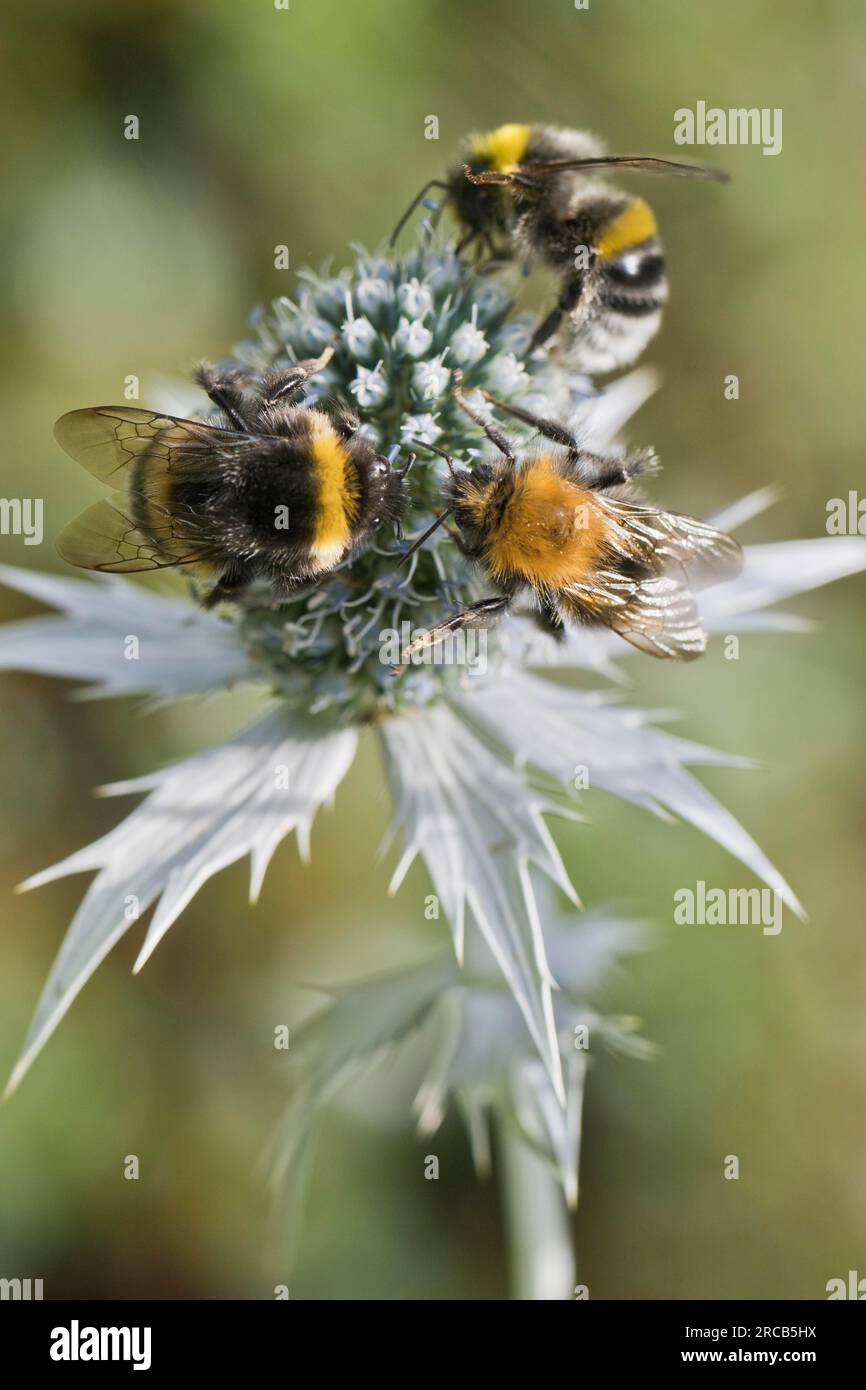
point(565, 525)
point(274, 491)
point(530, 191)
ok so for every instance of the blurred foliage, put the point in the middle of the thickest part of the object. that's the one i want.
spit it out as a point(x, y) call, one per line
point(306, 127)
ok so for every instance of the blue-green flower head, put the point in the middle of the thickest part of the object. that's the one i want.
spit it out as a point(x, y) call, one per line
point(400, 326)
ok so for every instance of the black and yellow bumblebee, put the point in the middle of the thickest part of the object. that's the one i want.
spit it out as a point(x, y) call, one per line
point(530, 191)
point(271, 491)
point(566, 526)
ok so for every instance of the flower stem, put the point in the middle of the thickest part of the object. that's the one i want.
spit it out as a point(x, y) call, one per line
point(538, 1233)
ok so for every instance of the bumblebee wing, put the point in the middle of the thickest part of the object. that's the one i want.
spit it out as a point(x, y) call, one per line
point(105, 537)
point(665, 540)
point(654, 610)
point(661, 618)
point(108, 440)
point(149, 454)
point(645, 164)
point(656, 614)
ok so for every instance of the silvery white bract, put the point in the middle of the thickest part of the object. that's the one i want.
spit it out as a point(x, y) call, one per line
point(553, 727)
point(182, 650)
point(243, 797)
point(460, 752)
point(621, 753)
point(480, 831)
point(473, 1052)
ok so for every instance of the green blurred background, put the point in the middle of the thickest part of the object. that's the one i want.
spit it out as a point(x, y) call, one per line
point(306, 127)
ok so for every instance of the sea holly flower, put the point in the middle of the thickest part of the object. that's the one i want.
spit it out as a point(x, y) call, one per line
point(478, 758)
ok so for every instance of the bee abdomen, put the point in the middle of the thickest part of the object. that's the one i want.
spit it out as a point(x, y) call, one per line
point(620, 310)
point(641, 279)
point(169, 510)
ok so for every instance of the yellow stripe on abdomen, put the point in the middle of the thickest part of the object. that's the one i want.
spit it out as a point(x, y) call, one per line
point(633, 225)
point(336, 503)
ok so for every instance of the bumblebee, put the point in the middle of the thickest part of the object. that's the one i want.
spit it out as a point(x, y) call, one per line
point(273, 490)
point(566, 526)
point(529, 191)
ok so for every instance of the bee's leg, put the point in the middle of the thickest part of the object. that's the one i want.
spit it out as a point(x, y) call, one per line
point(493, 434)
point(497, 259)
point(549, 428)
point(235, 576)
point(282, 382)
point(461, 544)
point(419, 198)
point(493, 267)
point(547, 618)
point(481, 614)
point(591, 470)
point(546, 328)
point(226, 392)
point(345, 421)
point(603, 473)
point(568, 300)
point(288, 586)
point(311, 366)
point(465, 241)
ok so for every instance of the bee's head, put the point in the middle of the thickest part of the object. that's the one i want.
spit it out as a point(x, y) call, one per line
point(481, 209)
point(385, 492)
point(474, 496)
point(488, 208)
point(395, 491)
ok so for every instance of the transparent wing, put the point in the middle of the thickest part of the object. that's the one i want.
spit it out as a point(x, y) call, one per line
point(656, 614)
point(638, 163)
point(108, 440)
point(663, 540)
point(106, 538)
point(150, 455)
point(661, 618)
point(530, 172)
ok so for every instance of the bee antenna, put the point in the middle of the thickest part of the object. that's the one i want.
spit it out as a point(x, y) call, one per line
point(419, 198)
point(410, 461)
point(419, 443)
point(421, 539)
point(491, 176)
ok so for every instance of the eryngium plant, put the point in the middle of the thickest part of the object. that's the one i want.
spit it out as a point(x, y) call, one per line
point(478, 756)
